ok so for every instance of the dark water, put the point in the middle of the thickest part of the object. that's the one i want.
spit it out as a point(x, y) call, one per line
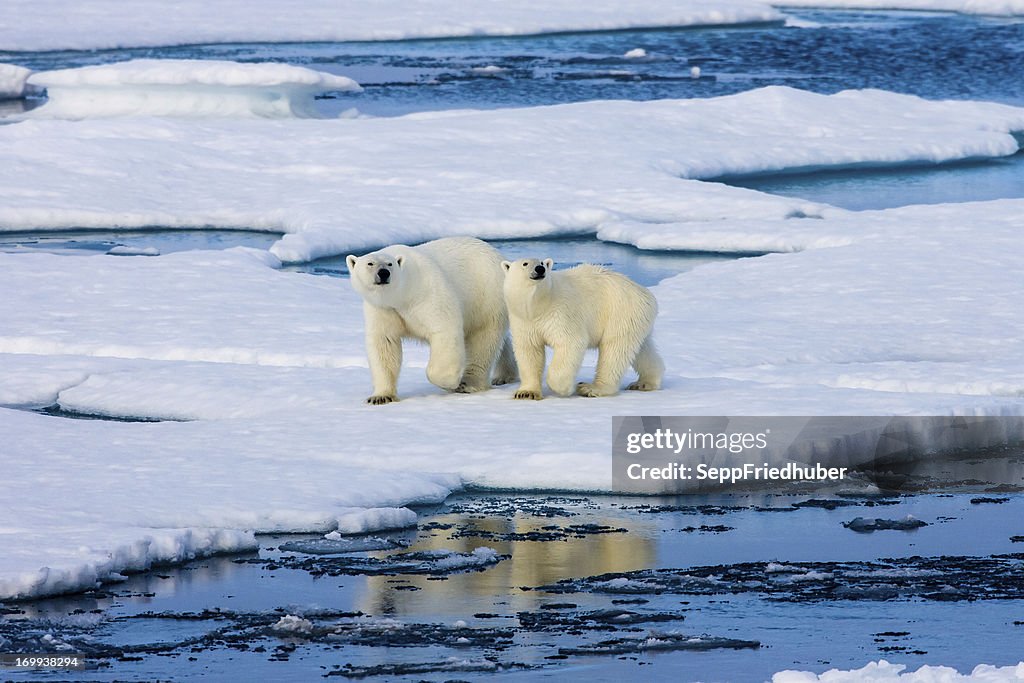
point(536, 614)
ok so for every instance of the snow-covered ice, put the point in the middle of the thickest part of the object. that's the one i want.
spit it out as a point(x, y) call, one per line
point(987, 7)
point(346, 185)
point(185, 87)
point(279, 437)
point(28, 25)
point(12, 81)
point(884, 672)
point(291, 623)
point(375, 519)
point(452, 561)
point(83, 506)
point(125, 250)
point(111, 23)
point(261, 372)
point(490, 69)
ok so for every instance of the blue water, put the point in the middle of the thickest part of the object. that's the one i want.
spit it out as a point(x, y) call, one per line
point(886, 188)
point(913, 632)
point(934, 55)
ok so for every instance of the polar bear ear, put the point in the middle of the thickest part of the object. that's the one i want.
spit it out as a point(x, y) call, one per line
point(400, 260)
point(549, 264)
point(506, 264)
point(351, 261)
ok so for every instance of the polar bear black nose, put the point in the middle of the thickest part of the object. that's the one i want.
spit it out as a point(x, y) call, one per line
point(539, 270)
point(383, 275)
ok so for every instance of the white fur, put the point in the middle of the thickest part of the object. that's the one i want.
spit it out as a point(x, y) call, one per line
point(574, 310)
point(447, 293)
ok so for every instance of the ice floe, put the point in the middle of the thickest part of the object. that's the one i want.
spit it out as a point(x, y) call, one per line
point(110, 24)
point(185, 87)
point(988, 7)
point(592, 167)
point(12, 81)
point(884, 672)
point(375, 519)
point(290, 623)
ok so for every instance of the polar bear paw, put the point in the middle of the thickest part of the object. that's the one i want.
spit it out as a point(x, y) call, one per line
point(528, 394)
point(381, 399)
point(591, 390)
point(641, 386)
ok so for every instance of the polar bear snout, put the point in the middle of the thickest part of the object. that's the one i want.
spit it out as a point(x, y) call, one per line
point(382, 277)
point(538, 272)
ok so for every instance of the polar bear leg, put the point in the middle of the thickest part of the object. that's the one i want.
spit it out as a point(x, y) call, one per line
point(565, 365)
point(530, 359)
point(649, 366)
point(613, 357)
point(447, 361)
point(385, 356)
point(482, 347)
point(506, 371)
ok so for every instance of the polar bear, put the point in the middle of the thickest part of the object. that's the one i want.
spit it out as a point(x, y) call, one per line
point(574, 310)
point(447, 293)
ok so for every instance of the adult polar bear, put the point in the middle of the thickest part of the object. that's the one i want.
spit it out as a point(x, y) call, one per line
point(573, 310)
point(447, 293)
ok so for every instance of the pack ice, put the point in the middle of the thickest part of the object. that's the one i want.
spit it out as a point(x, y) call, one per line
point(259, 374)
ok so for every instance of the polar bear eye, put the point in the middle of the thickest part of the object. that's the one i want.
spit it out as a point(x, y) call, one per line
point(525, 263)
point(369, 264)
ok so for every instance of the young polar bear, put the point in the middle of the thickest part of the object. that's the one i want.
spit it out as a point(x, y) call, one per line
point(447, 293)
point(574, 310)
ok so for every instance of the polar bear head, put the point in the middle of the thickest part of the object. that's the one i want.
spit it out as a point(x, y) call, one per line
point(528, 271)
point(377, 276)
point(527, 284)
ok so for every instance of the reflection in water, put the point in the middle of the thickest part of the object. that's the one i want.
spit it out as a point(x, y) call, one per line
point(15, 107)
point(156, 586)
point(532, 563)
point(1004, 472)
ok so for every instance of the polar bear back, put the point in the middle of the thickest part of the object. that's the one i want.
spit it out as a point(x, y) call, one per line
point(599, 303)
point(472, 268)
